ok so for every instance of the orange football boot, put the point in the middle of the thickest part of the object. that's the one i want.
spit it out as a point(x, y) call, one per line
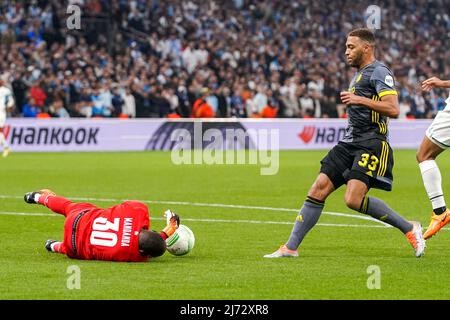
point(282, 252)
point(436, 223)
point(415, 238)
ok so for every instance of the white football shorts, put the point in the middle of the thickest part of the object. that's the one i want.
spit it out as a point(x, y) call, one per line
point(439, 130)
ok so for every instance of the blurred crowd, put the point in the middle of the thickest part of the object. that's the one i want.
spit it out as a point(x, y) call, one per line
point(205, 58)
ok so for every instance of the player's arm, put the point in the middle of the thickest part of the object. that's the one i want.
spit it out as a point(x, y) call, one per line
point(434, 82)
point(10, 104)
point(382, 80)
point(387, 106)
point(10, 108)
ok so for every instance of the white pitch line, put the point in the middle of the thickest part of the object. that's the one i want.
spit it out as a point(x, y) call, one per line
point(218, 205)
point(35, 214)
point(219, 220)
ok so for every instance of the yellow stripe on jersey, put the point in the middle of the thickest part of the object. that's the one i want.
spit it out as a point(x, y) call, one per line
point(376, 118)
point(359, 78)
point(387, 92)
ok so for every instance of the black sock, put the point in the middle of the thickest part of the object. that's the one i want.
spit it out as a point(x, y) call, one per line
point(440, 210)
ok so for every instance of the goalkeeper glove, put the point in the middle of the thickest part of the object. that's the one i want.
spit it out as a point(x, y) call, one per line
point(173, 222)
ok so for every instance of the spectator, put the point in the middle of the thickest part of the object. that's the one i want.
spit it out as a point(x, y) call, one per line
point(169, 95)
point(31, 109)
point(213, 101)
point(57, 109)
point(237, 103)
point(117, 102)
point(260, 100)
point(224, 102)
point(201, 108)
point(306, 105)
point(19, 89)
point(105, 101)
point(97, 107)
point(161, 103)
point(85, 104)
point(329, 107)
point(38, 94)
point(129, 106)
point(419, 105)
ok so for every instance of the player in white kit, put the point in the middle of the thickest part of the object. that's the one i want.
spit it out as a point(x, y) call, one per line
point(436, 140)
point(6, 105)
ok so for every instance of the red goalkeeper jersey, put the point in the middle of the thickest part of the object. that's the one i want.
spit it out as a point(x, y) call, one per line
point(111, 234)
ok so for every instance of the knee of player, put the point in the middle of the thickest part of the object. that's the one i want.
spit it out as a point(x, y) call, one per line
point(352, 201)
point(420, 157)
point(423, 154)
point(321, 188)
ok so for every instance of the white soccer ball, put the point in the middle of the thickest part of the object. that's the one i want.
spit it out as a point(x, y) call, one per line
point(181, 242)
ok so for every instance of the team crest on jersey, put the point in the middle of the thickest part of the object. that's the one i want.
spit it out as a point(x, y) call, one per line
point(389, 81)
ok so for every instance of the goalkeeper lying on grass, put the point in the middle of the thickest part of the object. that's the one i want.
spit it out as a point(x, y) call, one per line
point(119, 233)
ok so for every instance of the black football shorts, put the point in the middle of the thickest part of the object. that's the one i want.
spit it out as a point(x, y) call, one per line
point(369, 161)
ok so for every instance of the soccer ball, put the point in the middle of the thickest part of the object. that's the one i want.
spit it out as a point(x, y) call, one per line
point(181, 242)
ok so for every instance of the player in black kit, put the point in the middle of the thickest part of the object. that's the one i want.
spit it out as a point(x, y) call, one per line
point(363, 158)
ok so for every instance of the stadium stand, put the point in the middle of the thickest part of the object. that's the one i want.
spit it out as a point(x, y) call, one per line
point(151, 58)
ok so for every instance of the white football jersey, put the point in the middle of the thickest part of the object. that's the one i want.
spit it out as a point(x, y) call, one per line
point(6, 99)
point(439, 130)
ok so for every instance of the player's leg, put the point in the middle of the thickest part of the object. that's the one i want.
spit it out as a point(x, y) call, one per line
point(431, 175)
point(329, 179)
point(432, 180)
point(55, 203)
point(311, 210)
point(3, 143)
point(356, 199)
point(49, 199)
point(372, 168)
point(307, 218)
point(55, 246)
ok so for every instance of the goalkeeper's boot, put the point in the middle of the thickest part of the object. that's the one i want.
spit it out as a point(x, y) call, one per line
point(48, 245)
point(33, 196)
point(283, 252)
point(436, 224)
point(415, 238)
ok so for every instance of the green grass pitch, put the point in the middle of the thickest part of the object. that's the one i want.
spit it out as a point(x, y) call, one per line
point(227, 261)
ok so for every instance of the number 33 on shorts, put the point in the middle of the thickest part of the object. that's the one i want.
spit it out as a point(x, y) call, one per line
point(369, 161)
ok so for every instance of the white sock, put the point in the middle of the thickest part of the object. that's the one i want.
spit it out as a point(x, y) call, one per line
point(432, 181)
point(53, 245)
point(37, 196)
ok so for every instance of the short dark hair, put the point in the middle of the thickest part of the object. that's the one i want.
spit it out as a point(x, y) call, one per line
point(151, 243)
point(364, 34)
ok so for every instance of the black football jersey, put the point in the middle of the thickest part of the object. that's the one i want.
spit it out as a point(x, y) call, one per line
point(373, 81)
